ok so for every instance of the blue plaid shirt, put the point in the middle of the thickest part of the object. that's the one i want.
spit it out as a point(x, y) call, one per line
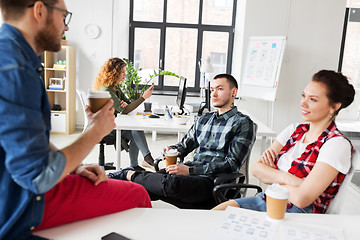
point(223, 142)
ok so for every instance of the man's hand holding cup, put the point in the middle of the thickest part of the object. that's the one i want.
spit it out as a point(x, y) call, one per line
point(100, 112)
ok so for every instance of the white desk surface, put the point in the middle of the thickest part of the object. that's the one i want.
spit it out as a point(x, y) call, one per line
point(179, 224)
point(132, 121)
point(263, 130)
point(348, 125)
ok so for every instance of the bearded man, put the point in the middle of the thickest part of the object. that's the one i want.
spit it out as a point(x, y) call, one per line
point(42, 186)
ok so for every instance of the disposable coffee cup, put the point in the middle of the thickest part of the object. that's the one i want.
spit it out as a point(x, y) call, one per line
point(97, 99)
point(147, 106)
point(171, 157)
point(276, 201)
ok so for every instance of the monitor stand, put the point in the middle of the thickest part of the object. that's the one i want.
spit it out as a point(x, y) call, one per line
point(201, 110)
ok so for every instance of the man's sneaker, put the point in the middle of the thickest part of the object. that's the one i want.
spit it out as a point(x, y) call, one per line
point(121, 175)
point(147, 165)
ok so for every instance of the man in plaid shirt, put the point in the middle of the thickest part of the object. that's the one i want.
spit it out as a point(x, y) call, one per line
point(223, 140)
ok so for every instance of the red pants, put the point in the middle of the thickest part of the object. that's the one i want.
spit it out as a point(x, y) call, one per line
point(76, 198)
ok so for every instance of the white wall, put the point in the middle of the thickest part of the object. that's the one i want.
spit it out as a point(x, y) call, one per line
point(313, 27)
point(314, 30)
point(113, 19)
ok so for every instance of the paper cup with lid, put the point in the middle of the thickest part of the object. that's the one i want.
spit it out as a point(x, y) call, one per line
point(276, 201)
point(97, 99)
point(171, 156)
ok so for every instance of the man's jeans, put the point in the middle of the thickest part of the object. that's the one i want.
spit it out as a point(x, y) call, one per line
point(257, 203)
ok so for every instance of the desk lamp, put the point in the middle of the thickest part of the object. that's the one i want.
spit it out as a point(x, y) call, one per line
point(205, 67)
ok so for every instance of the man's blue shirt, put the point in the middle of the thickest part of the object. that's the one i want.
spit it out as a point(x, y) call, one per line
point(28, 168)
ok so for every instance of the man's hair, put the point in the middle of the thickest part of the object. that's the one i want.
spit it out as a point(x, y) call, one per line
point(230, 79)
point(15, 9)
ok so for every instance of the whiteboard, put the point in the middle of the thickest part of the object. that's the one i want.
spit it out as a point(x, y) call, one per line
point(262, 67)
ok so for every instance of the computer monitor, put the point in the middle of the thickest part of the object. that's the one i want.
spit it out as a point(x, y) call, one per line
point(207, 100)
point(180, 100)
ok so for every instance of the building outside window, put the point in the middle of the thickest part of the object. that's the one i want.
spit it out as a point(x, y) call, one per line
point(137, 59)
point(349, 63)
point(174, 35)
point(218, 62)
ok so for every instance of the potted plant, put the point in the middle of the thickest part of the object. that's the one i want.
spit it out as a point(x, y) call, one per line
point(132, 86)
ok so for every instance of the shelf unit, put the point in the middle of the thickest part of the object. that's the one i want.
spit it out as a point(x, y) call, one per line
point(62, 121)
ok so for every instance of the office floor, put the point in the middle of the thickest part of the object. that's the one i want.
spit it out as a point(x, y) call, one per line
point(155, 147)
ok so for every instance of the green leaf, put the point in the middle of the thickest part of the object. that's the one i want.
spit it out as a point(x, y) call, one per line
point(132, 86)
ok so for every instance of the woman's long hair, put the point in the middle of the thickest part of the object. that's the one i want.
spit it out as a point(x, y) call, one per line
point(109, 73)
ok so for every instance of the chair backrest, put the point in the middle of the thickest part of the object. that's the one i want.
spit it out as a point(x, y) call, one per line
point(245, 167)
point(347, 199)
point(82, 97)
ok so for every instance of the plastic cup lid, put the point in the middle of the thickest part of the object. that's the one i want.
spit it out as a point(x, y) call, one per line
point(98, 94)
point(171, 152)
point(277, 191)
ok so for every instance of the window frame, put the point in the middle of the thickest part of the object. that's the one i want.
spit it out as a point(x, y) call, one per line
point(343, 39)
point(162, 26)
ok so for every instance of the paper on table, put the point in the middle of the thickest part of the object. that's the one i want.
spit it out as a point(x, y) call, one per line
point(143, 113)
point(237, 223)
point(242, 224)
point(295, 230)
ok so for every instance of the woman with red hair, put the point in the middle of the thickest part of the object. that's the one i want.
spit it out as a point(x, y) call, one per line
point(111, 74)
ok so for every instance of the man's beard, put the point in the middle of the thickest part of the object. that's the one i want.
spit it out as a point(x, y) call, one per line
point(222, 103)
point(47, 39)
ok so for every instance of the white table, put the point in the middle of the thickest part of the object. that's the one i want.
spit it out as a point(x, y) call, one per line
point(132, 121)
point(179, 224)
point(348, 125)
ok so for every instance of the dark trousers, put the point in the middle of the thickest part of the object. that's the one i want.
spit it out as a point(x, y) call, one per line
point(179, 190)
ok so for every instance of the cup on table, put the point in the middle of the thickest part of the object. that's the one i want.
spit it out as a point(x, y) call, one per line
point(171, 157)
point(147, 106)
point(97, 99)
point(276, 201)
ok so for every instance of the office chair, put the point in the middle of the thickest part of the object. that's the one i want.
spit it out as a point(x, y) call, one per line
point(223, 186)
point(346, 200)
point(108, 140)
point(227, 191)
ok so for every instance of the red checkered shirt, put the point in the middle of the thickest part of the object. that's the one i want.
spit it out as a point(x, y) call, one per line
point(302, 166)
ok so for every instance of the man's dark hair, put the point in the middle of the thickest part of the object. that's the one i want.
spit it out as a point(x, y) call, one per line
point(14, 9)
point(231, 80)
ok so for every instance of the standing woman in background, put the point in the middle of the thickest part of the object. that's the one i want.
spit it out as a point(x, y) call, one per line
point(111, 74)
point(310, 159)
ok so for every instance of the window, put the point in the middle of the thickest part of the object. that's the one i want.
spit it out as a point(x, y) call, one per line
point(174, 35)
point(137, 59)
point(349, 63)
point(218, 62)
point(223, 4)
point(146, 49)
